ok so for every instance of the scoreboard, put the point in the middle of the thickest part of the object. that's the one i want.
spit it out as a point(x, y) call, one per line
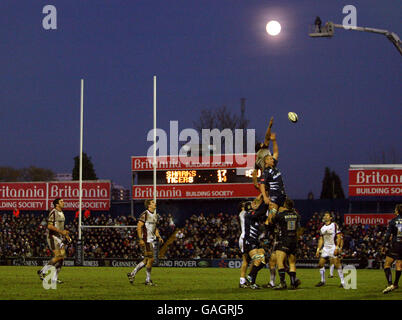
point(195, 176)
point(193, 179)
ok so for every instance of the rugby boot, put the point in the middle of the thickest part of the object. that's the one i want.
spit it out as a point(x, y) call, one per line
point(130, 277)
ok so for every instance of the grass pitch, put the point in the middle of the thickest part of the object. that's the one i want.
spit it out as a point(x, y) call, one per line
point(90, 283)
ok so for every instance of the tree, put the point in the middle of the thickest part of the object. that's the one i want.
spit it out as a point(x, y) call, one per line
point(36, 174)
point(331, 186)
point(222, 118)
point(326, 191)
point(219, 118)
point(9, 174)
point(88, 171)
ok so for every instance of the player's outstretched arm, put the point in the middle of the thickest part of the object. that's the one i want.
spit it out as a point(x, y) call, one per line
point(268, 132)
point(275, 148)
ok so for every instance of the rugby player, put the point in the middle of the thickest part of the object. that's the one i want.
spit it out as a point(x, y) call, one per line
point(147, 233)
point(395, 230)
point(272, 258)
point(245, 257)
point(288, 222)
point(55, 235)
point(329, 234)
point(262, 151)
point(271, 183)
point(250, 244)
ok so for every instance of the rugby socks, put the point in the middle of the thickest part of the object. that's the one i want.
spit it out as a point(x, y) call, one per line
point(340, 273)
point(282, 275)
point(148, 274)
point(138, 268)
point(388, 275)
point(322, 272)
point(397, 276)
point(292, 275)
point(55, 275)
point(331, 270)
point(254, 271)
point(273, 276)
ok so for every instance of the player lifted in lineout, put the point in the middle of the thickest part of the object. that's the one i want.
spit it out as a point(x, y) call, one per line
point(395, 253)
point(55, 238)
point(331, 243)
point(273, 191)
point(271, 183)
point(148, 233)
point(262, 151)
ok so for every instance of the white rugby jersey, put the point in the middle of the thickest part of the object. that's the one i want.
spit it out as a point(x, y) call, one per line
point(329, 233)
point(150, 219)
point(57, 219)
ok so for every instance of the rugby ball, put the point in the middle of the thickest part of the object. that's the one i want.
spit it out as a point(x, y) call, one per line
point(292, 116)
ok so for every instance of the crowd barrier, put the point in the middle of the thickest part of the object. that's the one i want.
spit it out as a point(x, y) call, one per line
point(176, 263)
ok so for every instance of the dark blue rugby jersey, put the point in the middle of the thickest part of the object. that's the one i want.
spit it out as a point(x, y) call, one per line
point(394, 229)
point(251, 225)
point(272, 178)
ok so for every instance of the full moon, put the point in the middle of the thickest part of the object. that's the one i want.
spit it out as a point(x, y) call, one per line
point(273, 28)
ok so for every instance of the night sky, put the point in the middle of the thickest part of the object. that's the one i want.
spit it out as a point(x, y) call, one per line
point(346, 90)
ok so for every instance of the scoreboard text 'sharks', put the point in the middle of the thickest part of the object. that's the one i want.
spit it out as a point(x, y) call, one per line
point(223, 176)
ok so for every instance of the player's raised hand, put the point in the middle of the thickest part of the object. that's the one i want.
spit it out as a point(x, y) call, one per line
point(273, 136)
point(271, 122)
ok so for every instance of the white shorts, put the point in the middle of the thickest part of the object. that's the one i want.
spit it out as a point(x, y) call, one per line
point(241, 244)
point(328, 252)
point(55, 243)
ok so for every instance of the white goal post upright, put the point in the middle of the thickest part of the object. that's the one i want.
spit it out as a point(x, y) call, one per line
point(154, 160)
point(81, 142)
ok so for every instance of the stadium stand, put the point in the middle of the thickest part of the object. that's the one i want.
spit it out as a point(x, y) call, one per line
point(212, 236)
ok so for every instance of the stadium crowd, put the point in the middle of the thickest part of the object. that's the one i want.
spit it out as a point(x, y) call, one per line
point(213, 236)
point(25, 236)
